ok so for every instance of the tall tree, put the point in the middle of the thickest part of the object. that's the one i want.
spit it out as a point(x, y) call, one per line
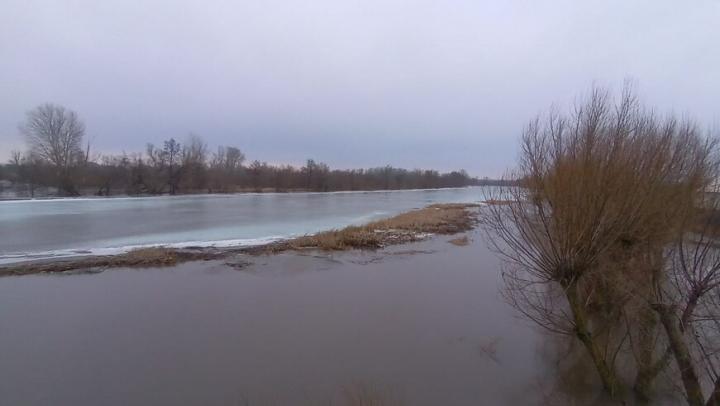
point(55, 134)
point(605, 189)
point(171, 153)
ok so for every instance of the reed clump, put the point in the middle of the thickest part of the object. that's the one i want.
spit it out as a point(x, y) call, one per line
point(403, 228)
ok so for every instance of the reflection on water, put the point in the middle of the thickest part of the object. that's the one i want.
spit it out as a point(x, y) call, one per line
point(423, 327)
point(569, 377)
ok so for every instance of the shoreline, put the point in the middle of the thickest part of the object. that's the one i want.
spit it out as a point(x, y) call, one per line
point(411, 226)
point(215, 194)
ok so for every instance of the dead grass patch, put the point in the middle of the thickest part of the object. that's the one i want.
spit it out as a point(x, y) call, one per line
point(405, 227)
point(143, 257)
point(460, 242)
point(496, 202)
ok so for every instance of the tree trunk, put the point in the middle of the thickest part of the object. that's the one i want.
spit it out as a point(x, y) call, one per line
point(690, 380)
point(582, 331)
point(646, 376)
point(715, 396)
point(647, 368)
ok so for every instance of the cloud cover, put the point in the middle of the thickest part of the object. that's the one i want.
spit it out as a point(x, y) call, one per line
point(442, 84)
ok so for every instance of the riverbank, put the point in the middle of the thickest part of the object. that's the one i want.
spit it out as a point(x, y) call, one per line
point(265, 191)
point(415, 225)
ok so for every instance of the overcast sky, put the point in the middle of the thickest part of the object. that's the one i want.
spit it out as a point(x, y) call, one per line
point(441, 84)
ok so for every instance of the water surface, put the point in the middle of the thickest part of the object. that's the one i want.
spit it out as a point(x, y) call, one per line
point(417, 324)
point(54, 228)
point(289, 330)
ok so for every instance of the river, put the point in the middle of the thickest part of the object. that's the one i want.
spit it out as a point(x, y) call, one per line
point(41, 229)
point(415, 324)
point(418, 324)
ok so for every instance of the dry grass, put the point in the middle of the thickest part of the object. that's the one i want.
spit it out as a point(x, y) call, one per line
point(406, 227)
point(497, 202)
point(144, 257)
point(460, 242)
point(349, 237)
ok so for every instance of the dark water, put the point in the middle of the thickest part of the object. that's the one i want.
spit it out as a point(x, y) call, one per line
point(290, 329)
point(420, 324)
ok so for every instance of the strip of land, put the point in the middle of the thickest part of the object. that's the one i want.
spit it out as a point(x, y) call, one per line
point(407, 227)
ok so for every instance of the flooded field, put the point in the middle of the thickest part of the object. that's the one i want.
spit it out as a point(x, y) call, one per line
point(419, 324)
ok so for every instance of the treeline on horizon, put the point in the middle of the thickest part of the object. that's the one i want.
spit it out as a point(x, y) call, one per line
point(57, 157)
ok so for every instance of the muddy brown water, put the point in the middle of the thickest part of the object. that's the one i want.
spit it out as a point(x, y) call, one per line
point(419, 324)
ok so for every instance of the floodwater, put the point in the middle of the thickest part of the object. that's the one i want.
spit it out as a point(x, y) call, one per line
point(40, 229)
point(418, 324)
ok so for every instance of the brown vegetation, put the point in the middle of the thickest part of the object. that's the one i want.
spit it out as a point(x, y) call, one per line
point(460, 242)
point(496, 202)
point(406, 227)
point(144, 257)
point(600, 242)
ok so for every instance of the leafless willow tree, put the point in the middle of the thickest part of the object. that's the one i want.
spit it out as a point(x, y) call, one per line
point(604, 190)
point(687, 303)
point(55, 134)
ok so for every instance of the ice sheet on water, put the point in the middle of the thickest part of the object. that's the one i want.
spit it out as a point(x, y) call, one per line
point(60, 228)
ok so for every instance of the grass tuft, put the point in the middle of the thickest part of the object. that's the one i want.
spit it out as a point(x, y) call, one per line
point(405, 227)
point(460, 242)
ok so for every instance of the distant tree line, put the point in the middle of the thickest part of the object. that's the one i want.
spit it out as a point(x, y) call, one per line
point(57, 156)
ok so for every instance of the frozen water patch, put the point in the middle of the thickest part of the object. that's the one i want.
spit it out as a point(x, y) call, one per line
point(61, 228)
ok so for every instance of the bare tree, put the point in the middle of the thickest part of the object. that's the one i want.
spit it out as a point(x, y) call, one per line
point(172, 157)
point(603, 191)
point(167, 166)
point(194, 162)
point(687, 303)
point(27, 168)
point(190, 168)
point(113, 172)
point(224, 167)
point(54, 134)
point(227, 158)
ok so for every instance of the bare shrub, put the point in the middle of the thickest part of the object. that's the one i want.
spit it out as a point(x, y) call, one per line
point(604, 190)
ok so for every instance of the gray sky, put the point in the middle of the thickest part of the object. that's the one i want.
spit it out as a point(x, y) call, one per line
point(441, 84)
